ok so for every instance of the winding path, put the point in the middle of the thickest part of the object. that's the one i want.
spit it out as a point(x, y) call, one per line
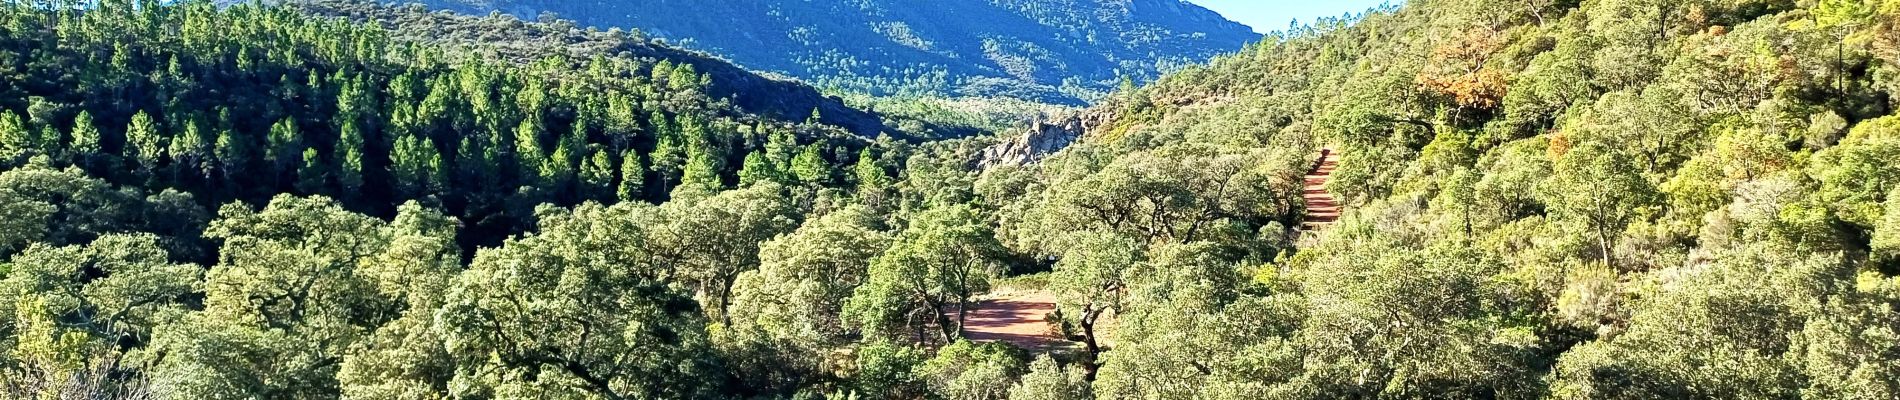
point(1322, 209)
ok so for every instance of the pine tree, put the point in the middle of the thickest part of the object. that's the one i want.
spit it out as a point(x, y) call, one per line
point(868, 171)
point(143, 142)
point(285, 145)
point(661, 71)
point(437, 108)
point(810, 166)
point(408, 165)
point(233, 153)
point(759, 169)
point(623, 120)
point(353, 97)
point(532, 100)
point(473, 165)
point(435, 169)
point(499, 150)
point(873, 182)
point(597, 175)
point(349, 156)
point(684, 78)
point(310, 173)
point(86, 138)
point(576, 139)
point(701, 172)
point(632, 176)
point(658, 123)
point(529, 154)
point(557, 170)
point(191, 150)
point(781, 146)
point(40, 114)
point(16, 138)
point(669, 152)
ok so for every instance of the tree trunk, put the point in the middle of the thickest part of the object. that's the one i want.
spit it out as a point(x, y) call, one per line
point(943, 322)
point(1091, 364)
point(1467, 218)
point(949, 333)
point(1603, 239)
point(725, 300)
point(963, 314)
point(1840, 66)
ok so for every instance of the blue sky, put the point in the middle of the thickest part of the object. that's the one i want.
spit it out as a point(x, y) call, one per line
point(1273, 15)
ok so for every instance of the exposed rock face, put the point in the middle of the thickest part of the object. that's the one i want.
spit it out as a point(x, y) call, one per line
point(1042, 138)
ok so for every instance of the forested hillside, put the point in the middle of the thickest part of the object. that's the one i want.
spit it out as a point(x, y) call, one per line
point(254, 102)
point(1597, 199)
point(505, 37)
point(1058, 51)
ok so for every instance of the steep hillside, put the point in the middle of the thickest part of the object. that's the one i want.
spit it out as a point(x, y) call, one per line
point(1600, 199)
point(527, 41)
point(1061, 51)
point(249, 102)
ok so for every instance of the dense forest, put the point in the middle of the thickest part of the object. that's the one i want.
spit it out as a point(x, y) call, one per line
point(506, 37)
point(1053, 51)
point(1596, 199)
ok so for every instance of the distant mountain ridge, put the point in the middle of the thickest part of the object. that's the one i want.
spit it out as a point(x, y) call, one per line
point(527, 41)
point(1062, 51)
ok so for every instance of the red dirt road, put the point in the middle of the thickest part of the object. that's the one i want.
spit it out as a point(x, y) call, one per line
point(1018, 318)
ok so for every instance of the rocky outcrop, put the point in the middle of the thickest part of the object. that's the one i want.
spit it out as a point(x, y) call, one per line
point(1043, 137)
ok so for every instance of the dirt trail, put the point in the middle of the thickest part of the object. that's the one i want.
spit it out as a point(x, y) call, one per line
point(1018, 318)
point(1321, 208)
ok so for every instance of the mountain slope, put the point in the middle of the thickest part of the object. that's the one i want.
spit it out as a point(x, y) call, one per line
point(1605, 199)
point(247, 102)
point(528, 41)
point(1050, 50)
